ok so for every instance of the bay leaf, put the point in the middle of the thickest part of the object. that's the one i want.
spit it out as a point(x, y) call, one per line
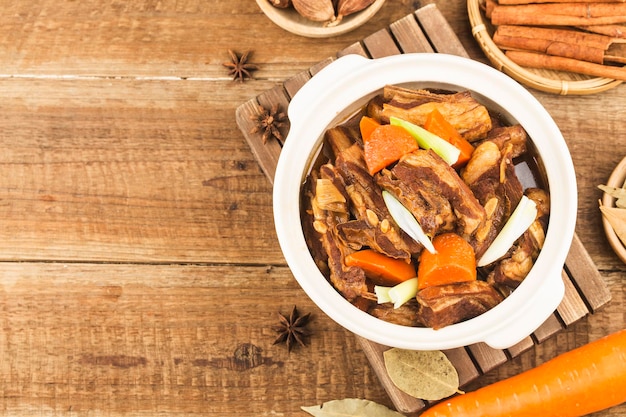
point(427, 374)
point(619, 194)
point(351, 407)
point(617, 219)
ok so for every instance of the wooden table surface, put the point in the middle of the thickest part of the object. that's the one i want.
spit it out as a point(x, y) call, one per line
point(140, 273)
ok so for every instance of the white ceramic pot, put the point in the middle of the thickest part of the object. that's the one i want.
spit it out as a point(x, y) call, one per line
point(347, 84)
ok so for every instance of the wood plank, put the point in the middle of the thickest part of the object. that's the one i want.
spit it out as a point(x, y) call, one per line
point(463, 364)
point(380, 44)
point(520, 347)
point(572, 308)
point(129, 170)
point(318, 67)
point(440, 33)
point(586, 277)
point(410, 36)
point(293, 84)
point(487, 357)
point(159, 39)
point(356, 48)
point(548, 329)
point(160, 339)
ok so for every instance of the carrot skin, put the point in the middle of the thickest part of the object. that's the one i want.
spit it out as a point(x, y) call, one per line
point(576, 383)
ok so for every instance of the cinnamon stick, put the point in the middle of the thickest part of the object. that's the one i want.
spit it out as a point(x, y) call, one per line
point(538, 60)
point(614, 31)
point(560, 42)
point(559, 14)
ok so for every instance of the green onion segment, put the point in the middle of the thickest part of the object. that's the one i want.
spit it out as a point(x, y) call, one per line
point(407, 222)
point(427, 140)
point(522, 217)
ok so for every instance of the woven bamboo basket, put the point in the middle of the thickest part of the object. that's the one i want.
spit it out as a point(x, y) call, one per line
point(556, 82)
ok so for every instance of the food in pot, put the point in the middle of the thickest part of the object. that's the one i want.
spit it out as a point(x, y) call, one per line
point(432, 182)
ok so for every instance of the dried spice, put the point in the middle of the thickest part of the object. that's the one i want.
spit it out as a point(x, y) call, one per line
point(239, 67)
point(292, 329)
point(427, 375)
point(269, 121)
point(615, 215)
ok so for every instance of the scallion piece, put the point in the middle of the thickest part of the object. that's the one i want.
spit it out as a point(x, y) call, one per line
point(428, 140)
point(398, 294)
point(403, 292)
point(407, 222)
point(522, 217)
point(382, 294)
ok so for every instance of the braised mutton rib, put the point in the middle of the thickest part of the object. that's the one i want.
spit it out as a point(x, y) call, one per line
point(434, 193)
point(490, 175)
point(373, 225)
point(329, 251)
point(468, 116)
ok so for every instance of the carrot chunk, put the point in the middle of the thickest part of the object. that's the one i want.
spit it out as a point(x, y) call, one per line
point(437, 124)
point(454, 261)
point(381, 269)
point(385, 145)
point(367, 125)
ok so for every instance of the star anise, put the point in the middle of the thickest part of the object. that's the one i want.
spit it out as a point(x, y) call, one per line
point(269, 121)
point(239, 67)
point(292, 329)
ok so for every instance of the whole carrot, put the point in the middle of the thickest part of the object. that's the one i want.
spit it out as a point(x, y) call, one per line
point(585, 380)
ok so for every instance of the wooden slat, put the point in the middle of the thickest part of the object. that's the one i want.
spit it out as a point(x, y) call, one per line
point(520, 347)
point(410, 36)
point(572, 308)
point(548, 329)
point(293, 85)
point(427, 31)
point(439, 31)
point(380, 44)
point(266, 154)
point(318, 67)
point(464, 365)
point(585, 276)
point(355, 48)
point(487, 357)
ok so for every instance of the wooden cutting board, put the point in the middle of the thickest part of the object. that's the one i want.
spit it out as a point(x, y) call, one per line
point(426, 30)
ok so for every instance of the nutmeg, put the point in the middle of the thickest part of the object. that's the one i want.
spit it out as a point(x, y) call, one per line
point(316, 10)
point(347, 7)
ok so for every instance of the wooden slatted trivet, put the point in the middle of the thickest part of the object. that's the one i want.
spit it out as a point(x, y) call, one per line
point(426, 30)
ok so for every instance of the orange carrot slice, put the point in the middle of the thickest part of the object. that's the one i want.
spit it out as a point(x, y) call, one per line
point(454, 261)
point(437, 124)
point(381, 269)
point(367, 125)
point(387, 144)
